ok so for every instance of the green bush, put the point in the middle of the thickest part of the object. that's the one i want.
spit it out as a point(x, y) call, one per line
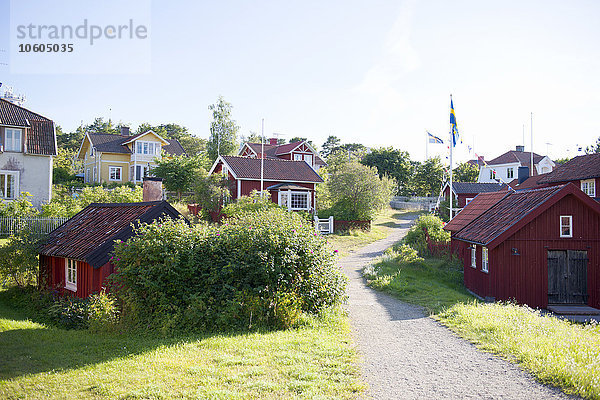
point(403, 253)
point(69, 312)
point(19, 258)
point(259, 269)
point(415, 237)
point(19, 207)
point(103, 312)
point(254, 202)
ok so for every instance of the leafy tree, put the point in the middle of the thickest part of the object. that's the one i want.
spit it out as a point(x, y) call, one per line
point(19, 207)
point(562, 161)
point(19, 258)
point(393, 163)
point(332, 143)
point(101, 126)
point(223, 130)
point(428, 177)
point(595, 148)
point(179, 173)
point(252, 137)
point(466, 172)
point(69, 140)
point(357, 192)
point(211, 192)
point(65, 165)
point(64, 204)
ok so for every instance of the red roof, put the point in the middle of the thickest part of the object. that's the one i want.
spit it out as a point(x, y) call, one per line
point(89, 236)
point(40, 137)
point(580, 167)
point(480, 204)
point(275, 150)
point(522, 157)
point(529, 183)
point(275, 169)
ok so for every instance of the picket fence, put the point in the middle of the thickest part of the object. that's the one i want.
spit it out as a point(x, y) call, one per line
point(14, 225)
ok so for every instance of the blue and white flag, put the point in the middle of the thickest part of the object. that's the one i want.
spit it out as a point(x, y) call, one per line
point(455, 135)
point(433, 138)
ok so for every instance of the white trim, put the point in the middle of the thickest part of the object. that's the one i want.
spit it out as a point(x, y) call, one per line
point(288, 195)
point(122, 162)
point(242, 150)
point(570, 217)
point(16, 182)
point(592, 181)
point(239, 188)
point(134, 138)
point(71, 284)
point(110, 173)
point(87, 136)
point(474, 256)
point(485, 261)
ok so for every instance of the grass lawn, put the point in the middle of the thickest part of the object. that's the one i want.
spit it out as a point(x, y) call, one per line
point(316, 360)
point(557, 352)
point(380, 228)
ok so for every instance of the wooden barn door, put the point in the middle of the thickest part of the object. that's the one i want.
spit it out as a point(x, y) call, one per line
point(567, 277)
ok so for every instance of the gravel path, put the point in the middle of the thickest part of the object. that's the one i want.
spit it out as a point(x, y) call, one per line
point(406, 355)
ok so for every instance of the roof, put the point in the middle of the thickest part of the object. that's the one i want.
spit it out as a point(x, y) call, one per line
point(89, 235)
point(480, 204)
point(287, 186)
point(475, 187)
point(110, 143)
point(531, 182)
point(505, 213)
point(275, 169)
point(275, 150)
point(41, 138)
point(522, 157)
point(581, 167)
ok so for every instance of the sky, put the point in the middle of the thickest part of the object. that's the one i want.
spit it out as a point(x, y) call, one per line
point(374, 72)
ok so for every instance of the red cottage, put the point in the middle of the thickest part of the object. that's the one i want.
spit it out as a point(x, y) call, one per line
point(290, 183)
point(76, 258)
point(582, 171)
point(538, 247)
point(296, 151)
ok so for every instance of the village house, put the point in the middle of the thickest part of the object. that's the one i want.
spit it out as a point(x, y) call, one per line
point(583, 171)
point(76, 259)
point(505, 167)
point(464, 192)
point(27, 149)
point(296, 151)
point(123, 158)
point(538, 247)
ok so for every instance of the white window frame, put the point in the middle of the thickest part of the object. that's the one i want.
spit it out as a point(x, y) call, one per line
point(309, 159)
point(95, 174)
point(119, 170)
point(4, 184)
point(485, 263)
point(88, 175)
point(469, 199)
point(15, 143)
point(510, 173)
point(146, 148)
point(588, 187)
point(70, 274)
point(568, 218)
point(285, 200)
point(474, 256)
point(297, 157)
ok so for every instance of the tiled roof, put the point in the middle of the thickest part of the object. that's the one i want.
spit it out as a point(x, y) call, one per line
point(274, 169)
point(109, 143)
point(523, 157)
point(275, 150)
point(530, 183)
point(287, 186)
point(269, 149)
point(40, 133)
point(89, 236)
point(481, 203)
point(286, 148)
point(475, 187)
point(504, 214)
point(580, 167)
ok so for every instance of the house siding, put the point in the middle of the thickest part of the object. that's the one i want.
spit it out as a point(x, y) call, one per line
point(35, 174)
point(248, 186)
point(89, 280)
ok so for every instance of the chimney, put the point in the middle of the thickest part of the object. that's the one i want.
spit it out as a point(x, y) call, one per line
point(125, 131)
point(523, 174)
point(153, 189)
point(521, 148)
point(273, 141)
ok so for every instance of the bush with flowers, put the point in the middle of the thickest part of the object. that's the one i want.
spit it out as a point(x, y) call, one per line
point(260, 269)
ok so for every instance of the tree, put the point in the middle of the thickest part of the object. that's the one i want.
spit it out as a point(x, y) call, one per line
point(466, 172)
point(179, 173)
point(595, 148)
point(332, 143)
point(65, 165)
point(253, 137)
point(357, 192)
point(19, 258)
point(428, 177)
point(223, 130)
point(69, 140)
point(393, 163)
point(101, 126)
point(561, 161)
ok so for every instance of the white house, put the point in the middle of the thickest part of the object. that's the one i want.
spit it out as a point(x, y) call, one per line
point(27, 149)
point(506, 166)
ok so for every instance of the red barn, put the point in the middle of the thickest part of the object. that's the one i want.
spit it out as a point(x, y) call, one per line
point(76, 258)
point(538, 247)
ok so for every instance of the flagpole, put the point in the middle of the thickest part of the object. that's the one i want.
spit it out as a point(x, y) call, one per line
point(531, 145)
point(262, 157)
point(451, 145)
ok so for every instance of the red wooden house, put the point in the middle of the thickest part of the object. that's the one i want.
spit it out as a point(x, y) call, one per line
point(76, 258)
point(538, 247)
point(296, 151)
point(583, 171)
point(464, 192)
point(290, 183)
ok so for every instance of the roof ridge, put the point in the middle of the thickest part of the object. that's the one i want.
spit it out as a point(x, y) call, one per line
point(266, 158)
point(26, 109)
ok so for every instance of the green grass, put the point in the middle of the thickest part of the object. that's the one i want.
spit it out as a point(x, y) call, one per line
point(432, 283)
point(557, 352)
point(315, 360)
point(381, 227)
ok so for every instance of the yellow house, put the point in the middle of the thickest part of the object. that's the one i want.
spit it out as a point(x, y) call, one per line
point(122, 158)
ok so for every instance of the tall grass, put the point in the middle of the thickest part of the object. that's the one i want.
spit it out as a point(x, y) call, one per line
point(556, 351)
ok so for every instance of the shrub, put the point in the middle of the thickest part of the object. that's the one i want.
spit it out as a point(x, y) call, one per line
point(254, 202)
point(259, 269)
point(415, 237)
point(69, 312)
point(19, 258)
point(19, 207)
point(403, 253)
point(102, 312)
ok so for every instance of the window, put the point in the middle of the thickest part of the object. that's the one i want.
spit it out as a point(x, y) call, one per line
point(484, 259)
point(95, 173)
point(87, 176)
point(589, 187)
point(114, 173)
point(566, 226)
point(297, 157)
point(71, 274)
point(492, 174)
point(469, 200)
point(140, 172)
point(297, 201)
point(473, 256)
point(147, 148)
point(13, 140)
point(309, 159)
point(225, 170)
point(8, 184)
point(510, 172)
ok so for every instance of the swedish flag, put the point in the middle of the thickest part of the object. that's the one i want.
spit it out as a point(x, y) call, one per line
point(455, 134)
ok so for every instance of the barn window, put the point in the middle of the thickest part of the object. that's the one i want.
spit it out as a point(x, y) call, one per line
point(71, 274)
point(588, 187)
point(566, 226)
point(484, 259)
point(474, 256)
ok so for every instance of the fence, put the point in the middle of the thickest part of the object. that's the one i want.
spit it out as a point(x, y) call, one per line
point(413, 203)
point(325, 226)
point(13, 225)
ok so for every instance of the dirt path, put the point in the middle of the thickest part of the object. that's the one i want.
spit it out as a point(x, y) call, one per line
point(406, 355)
